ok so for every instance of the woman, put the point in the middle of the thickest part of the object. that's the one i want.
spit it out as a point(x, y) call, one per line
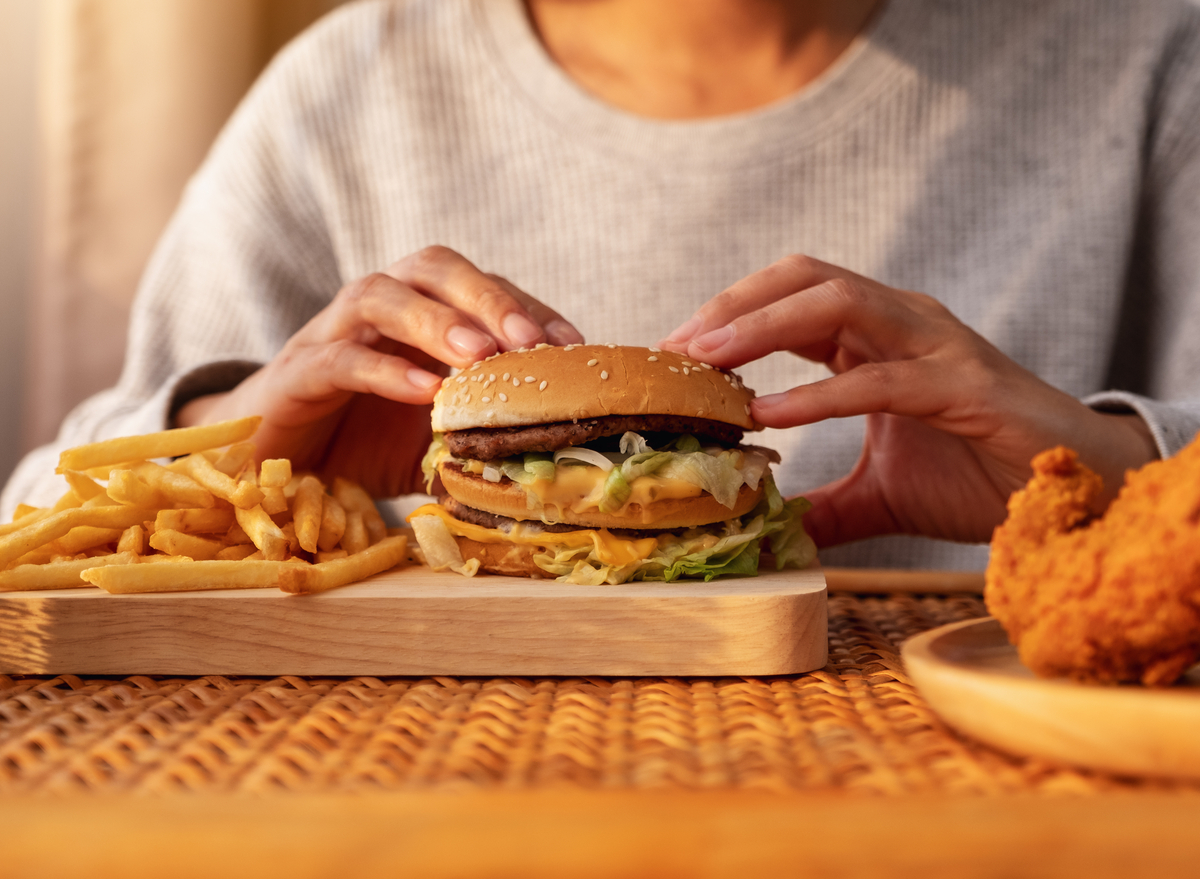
point(746, 181)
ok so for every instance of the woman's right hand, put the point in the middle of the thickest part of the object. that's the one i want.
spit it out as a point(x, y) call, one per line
point(350, 393)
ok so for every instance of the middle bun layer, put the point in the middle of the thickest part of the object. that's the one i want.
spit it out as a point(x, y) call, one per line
point(507, 498)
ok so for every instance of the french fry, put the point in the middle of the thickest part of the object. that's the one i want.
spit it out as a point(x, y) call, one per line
point(24, 510)
point(178, 543)
point(133, 539)
point(275, 473)
point(289, 532)
point(355, 539)
point(243, 495)
point(195, 521)
point(386, 554)
point(234, 459)
point(236, 535)
point(85, 537)
point(179, 487)
point(125, 487)
point(20, 522)
point(58, 575)
point(165, 444)
point(156, 559)
point(332, 555)
point(100, 500)
point(68, 501)
point(353, 496)
point(307, 509)
point(274, 501)
point(15, 545)
point(236, 553)
point(333, 524)
point(83, 485)
point(186, 576)
point(263, 533)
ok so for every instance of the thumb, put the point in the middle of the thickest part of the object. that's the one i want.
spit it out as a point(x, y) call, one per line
point(850, 508)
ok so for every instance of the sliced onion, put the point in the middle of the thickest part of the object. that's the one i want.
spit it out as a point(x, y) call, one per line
point(587, 456)
point(492, 473)
point(633, 443)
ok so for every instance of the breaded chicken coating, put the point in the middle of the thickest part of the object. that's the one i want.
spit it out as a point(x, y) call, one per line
point(1107, 600)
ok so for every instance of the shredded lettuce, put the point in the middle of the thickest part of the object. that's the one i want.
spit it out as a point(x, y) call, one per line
point(436, 451)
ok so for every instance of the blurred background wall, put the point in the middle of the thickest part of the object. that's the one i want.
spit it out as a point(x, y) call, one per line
point(108, 107)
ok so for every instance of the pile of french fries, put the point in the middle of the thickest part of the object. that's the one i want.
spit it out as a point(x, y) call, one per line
point(209, 519)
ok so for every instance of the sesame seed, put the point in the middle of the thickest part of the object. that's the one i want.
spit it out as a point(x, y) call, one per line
point(747, 408)
point(491, 414)
point(673, 369)
point(506, 375)
point(542, 386)
point(487, 399)
point(706, 366)
point(656, 350)
point(652, 359)
point(461, 379)
point(492, 377)
point(610, 345)
point(522, 350)
point(593, 362)
point(504, 398)
point(603, 375)
point(529, 379)
point(541, 345)
point(486, 383)
point(727, 378)
point(687, 363)
point(686, 371)
point(516, 383)
point(476, 366)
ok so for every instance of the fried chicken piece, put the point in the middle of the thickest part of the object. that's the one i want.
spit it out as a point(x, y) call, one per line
point(1110, 599)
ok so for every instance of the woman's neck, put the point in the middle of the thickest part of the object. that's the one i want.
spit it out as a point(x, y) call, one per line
point(687, 59)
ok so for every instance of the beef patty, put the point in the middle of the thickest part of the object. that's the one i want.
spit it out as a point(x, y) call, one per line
point(490, 443)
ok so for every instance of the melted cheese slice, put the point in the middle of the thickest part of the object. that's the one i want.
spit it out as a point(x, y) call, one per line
point(610, 549)
point(579, 489)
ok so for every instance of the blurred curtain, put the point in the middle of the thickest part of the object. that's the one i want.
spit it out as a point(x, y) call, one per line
point(133, 93)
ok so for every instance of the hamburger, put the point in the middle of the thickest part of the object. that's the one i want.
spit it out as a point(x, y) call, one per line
point(601, 464)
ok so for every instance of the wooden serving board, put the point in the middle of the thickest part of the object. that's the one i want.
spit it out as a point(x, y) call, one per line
point(412, 621)
point(973, 678)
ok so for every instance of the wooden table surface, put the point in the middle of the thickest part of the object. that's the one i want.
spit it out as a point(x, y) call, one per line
point(840, 772)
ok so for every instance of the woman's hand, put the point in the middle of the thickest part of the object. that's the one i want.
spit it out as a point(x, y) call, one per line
point(350, 393)
point(952, 423)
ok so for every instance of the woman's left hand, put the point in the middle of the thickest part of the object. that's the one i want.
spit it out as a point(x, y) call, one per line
point(952, 422)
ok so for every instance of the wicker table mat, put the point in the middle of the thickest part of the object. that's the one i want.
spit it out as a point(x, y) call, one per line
point(857, 725)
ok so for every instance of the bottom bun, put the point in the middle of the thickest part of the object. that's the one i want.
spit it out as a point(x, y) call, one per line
point(506, 559)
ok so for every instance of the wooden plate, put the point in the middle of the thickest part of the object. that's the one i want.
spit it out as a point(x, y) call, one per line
point(411, 621)
point(972, 677)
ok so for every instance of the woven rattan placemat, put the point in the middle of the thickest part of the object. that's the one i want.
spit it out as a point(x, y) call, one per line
point(857, 725)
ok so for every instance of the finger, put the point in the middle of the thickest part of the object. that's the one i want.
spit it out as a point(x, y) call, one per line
point(778, 280)
point(442, 274)
point(871, 323)
point(379, 306)
point(325, 376)
point(846, 510)
point(913, 388)
point(559, 331)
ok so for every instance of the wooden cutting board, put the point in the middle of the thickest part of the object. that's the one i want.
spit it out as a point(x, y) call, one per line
point(412, 621)
point(973, 678)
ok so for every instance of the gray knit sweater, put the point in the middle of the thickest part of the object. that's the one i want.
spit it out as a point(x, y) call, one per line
point(1034, 164)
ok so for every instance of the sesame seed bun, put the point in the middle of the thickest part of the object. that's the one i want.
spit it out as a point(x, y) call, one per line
point(550, 384)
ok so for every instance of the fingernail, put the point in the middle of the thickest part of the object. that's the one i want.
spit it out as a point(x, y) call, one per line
point(769, 401)
point(718, 338)
point(685, 330)
point(468, 342)
point(426, 381)
point(520, 330)
point(559, 332)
